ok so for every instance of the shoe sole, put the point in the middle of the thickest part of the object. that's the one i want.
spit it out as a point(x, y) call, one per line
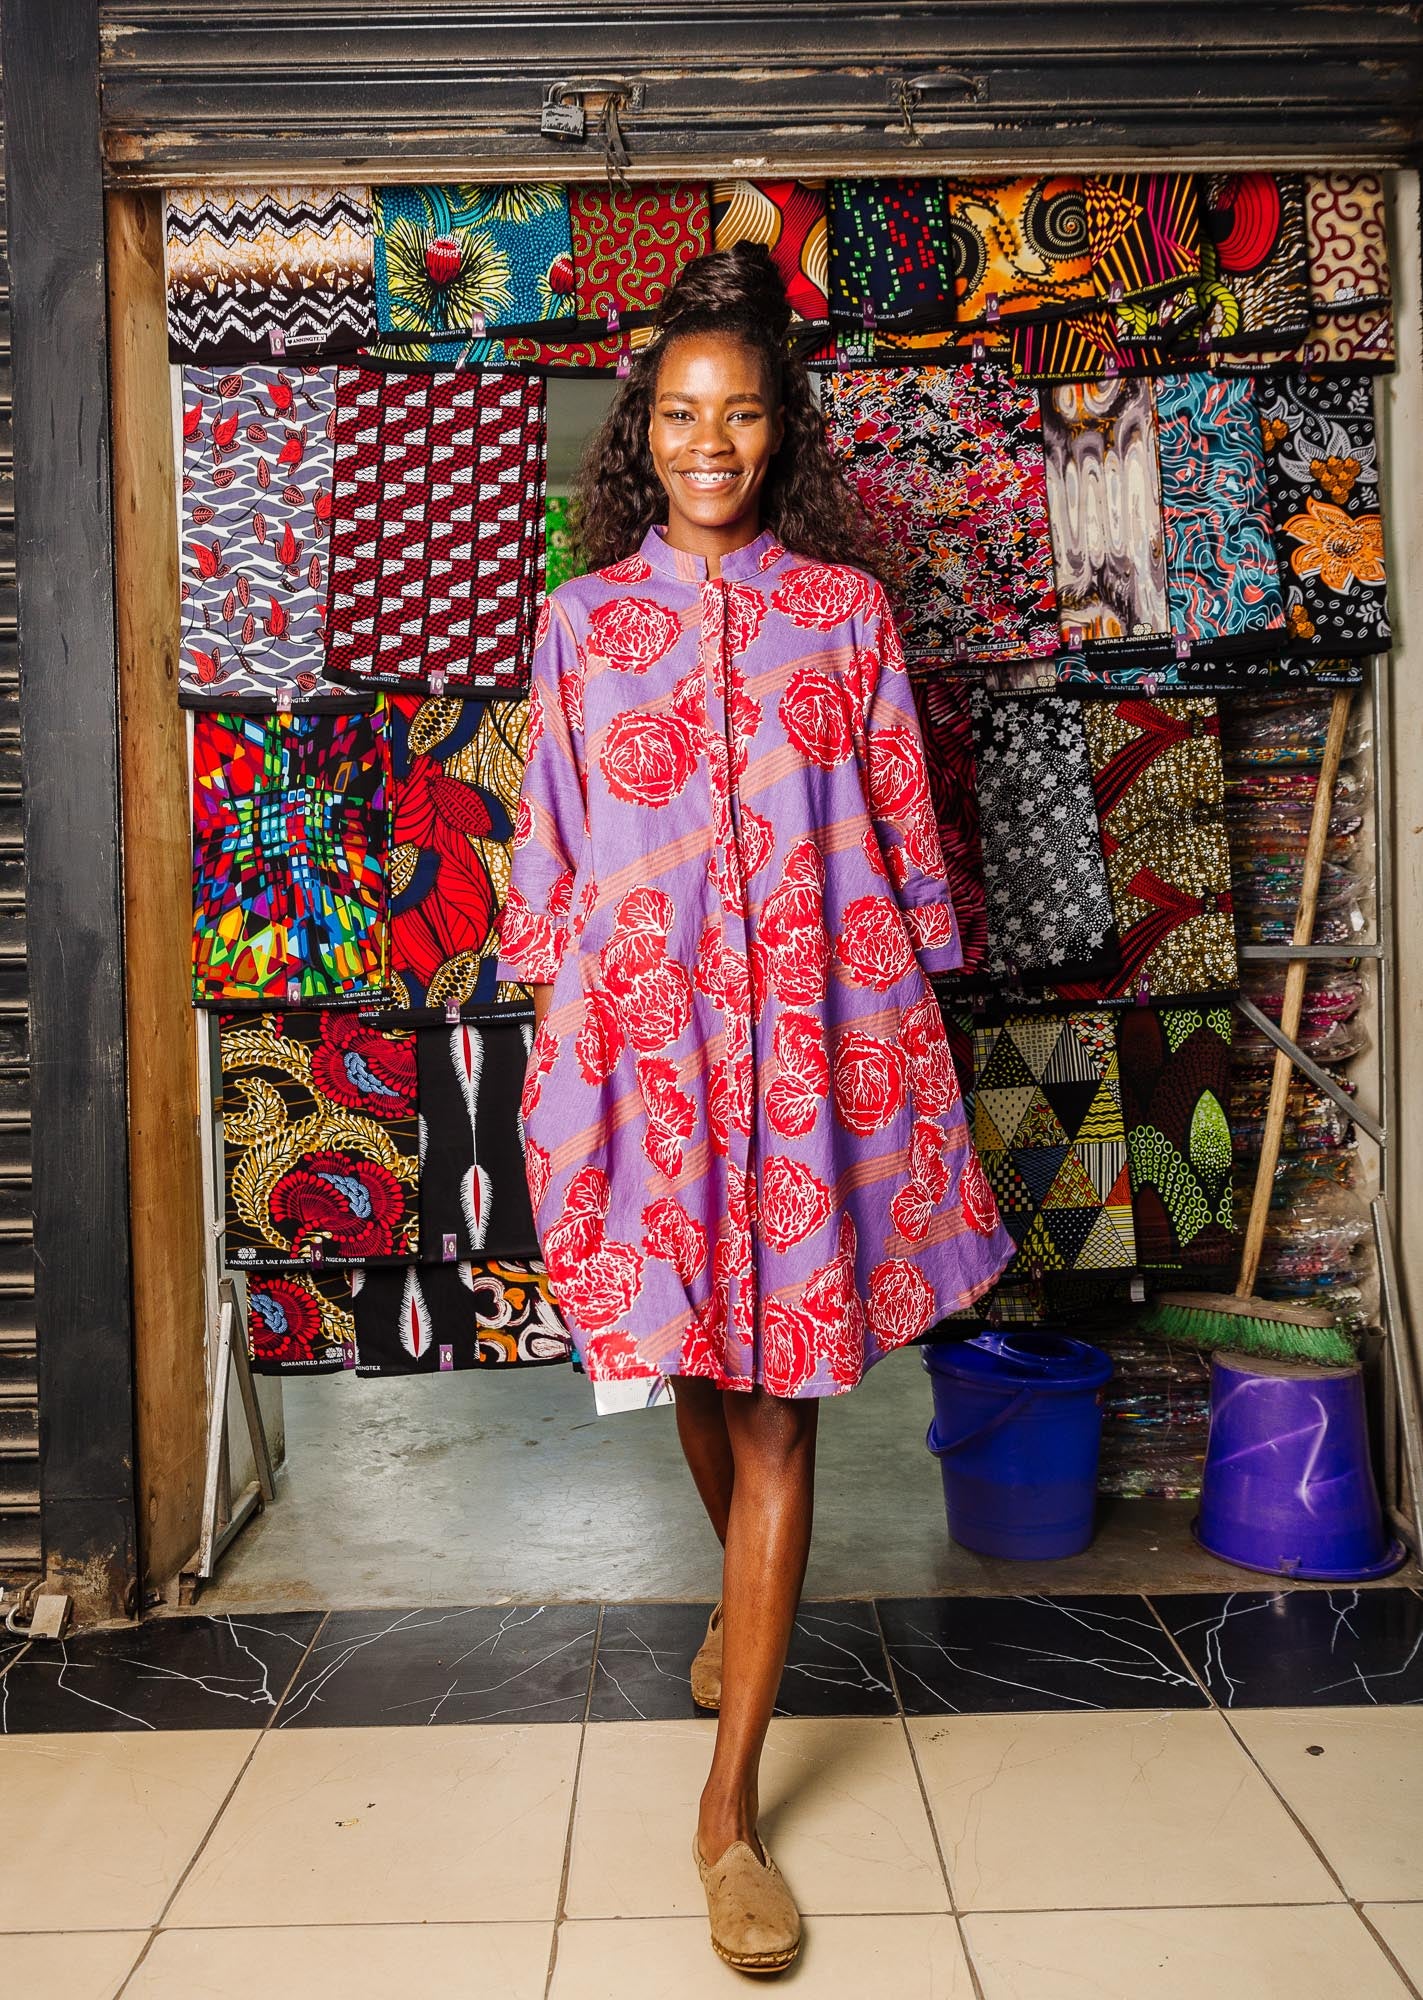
point(707, 1707)
point(764, 1963)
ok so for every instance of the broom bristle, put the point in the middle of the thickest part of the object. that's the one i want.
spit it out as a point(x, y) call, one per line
point(1249, 1326)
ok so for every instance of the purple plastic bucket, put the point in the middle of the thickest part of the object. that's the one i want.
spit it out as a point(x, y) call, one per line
point(1288, 1487)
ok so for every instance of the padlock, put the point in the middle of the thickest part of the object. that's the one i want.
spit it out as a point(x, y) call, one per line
point(562, 121)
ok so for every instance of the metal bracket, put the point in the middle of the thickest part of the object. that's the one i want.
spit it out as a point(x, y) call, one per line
point(1320, 1078)
point(1405, 1375)
point(223, 1518)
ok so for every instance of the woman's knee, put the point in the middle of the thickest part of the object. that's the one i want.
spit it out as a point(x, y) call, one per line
point(770, 1428)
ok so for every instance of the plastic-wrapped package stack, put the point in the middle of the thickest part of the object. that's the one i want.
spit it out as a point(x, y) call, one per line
point(1155, 1414)
point(1317, 1247)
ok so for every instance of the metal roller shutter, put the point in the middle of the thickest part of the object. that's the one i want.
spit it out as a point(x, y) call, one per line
point(19, 1391)
point(193, 91)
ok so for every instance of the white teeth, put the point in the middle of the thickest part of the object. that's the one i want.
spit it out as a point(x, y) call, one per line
point(708, 478)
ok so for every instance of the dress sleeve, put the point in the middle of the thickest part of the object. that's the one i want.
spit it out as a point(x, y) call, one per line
point(900, 802)
point(552, 818)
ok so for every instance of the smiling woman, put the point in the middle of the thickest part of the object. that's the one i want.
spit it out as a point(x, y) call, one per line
point(745, 1143)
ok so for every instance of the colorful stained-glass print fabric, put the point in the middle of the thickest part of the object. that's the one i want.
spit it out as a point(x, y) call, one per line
point(1175, 1079)
point(257, 477)
point(1104, 504)
point(1222, 576)
point(1047, 1122)
point(437, 536)
point(458, 258)
point(1021, 248)
point(1348, 242)
point(457, 769)
point(949, 464)
point(474, 1197)
point(1144, 231)
point(488, 1314)
point(1049, 908)
point(321, 1140)
point(788, 217)
point(291, 827)
point(1254, 287)
point(630, 245)
point(1160, 795)
point(256, 272)
point(1321, 461)
point(946, 722)
point(300, 1322)
point(891, 263)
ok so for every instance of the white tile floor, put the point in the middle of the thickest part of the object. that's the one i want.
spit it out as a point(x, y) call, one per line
point(1272, 1855)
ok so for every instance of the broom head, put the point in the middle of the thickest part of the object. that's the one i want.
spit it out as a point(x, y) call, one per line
point(1269, 1329)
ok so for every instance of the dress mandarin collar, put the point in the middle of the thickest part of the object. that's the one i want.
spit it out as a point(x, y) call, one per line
point(735, 566)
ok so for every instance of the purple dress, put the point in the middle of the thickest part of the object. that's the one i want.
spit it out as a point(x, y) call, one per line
point(746, 1147)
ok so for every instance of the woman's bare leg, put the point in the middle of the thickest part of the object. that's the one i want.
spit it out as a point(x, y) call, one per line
point(767, 1542)
point(701, 1430)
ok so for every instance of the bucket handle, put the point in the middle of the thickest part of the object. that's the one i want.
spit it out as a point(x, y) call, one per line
point(1009, 1409)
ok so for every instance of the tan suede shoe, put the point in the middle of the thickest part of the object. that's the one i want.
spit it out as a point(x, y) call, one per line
point(755, 1925)
point(706, 1667)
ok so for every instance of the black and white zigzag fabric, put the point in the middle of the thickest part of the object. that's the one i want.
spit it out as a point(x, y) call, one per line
point(255, 272)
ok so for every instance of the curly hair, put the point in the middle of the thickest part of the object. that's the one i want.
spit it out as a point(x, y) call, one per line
point(805, 500)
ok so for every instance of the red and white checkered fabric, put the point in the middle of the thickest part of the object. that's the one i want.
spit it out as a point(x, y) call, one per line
point(437, 529)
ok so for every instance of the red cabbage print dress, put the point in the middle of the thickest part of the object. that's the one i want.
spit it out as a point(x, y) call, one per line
point(746, 1148)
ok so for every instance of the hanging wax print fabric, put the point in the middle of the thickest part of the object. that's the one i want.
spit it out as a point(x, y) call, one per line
point(1254, 286)
point(1083, 348)
point(949, 465)
point(630, 245)
point(1222, 575)
point(1049, 909)
point(1159, 788)
point(890, 258)
point(788, 217)
point(255, 272)
point(300, 1322)
point(1175, 1079)
point(1047, 1122)
point(291, 827)
point(474, 1197)
point(437, 535)
point(1021, 248)
point(1343, 343)
point(257, 478)
point(459, 258)
point(560, 553)
point(430, 1318)
point(1145, 236)
point(457, 769)
point(947, 726)
point(1321, 460)
point(1104, 506)
point(320, 1139)
point(1348, 242)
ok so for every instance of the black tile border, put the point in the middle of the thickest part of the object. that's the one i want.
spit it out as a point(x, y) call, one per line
point(588, 1663)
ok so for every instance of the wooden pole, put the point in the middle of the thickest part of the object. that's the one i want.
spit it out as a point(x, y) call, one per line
point(164, 1142)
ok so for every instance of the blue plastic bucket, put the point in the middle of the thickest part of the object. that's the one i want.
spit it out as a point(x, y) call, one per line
point(1017, 1427)
point(1288, 1486)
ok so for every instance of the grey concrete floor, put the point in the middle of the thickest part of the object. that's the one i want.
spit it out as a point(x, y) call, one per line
point(508, 1486)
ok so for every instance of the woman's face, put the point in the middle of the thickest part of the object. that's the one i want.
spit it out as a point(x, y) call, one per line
point(713, 433)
